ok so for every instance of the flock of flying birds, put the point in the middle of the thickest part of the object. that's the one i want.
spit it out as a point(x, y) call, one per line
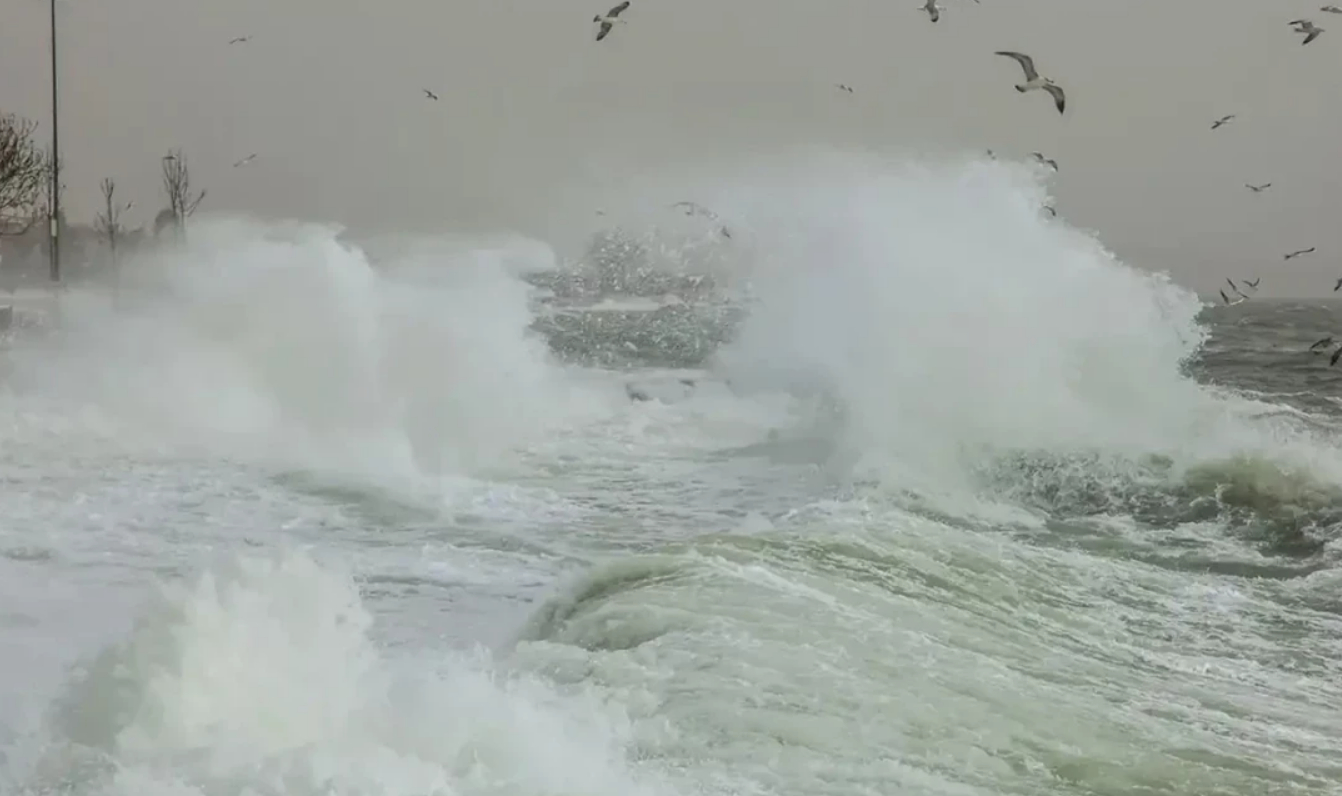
point(1034, 81)
point(1311, 32)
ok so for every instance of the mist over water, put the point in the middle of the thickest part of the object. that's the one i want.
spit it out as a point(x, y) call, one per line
point(287, 342)
point(946, 507)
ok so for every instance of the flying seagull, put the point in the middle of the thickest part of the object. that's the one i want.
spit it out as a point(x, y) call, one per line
point(608, 21)
point(245, 160)
point(1338, 285)
point(1235, 287)
point(241, 39)
point(696, 209)
point(1308, 28)
point(1222, 121)
point(933, 12)
point(1321, 344)
point(1230, 303)
point(1253, 284)
point(430, 94)
point(1046, 161)
point(1331, 9)
point(1258, 188)
point(842, 87)
point(1053, 213)
point(1034, 81)
point(1333, 359)
point(1295, 254)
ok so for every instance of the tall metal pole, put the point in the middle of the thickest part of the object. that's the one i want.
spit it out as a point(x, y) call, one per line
point(55, 159)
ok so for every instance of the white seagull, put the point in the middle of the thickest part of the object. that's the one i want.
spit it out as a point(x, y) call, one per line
point(609, 19)
point(1331, 9)
point(1034, 81)
point(1258, 188)
point(1050, 162)
point(1222, 121)
point(1308, 28)
point(245, 160)
point(933, 12)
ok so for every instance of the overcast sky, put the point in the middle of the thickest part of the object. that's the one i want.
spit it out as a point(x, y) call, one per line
point(328, 93)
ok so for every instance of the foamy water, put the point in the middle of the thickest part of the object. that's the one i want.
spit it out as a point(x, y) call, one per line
point(946, 514)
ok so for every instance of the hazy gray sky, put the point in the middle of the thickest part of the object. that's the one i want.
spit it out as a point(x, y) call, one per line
point(329, 94)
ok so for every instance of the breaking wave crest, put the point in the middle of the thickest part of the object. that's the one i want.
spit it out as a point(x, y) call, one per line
point(261, 677)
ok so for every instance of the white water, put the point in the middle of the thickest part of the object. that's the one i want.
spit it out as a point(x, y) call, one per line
point(404, 551)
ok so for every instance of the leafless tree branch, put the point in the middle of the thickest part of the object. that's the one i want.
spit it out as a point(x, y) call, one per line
point(108, 222)
point(177, 187)
point(23, 172)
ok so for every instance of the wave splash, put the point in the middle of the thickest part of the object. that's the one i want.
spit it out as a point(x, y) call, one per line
point(286, 342)
point(261, 677)
point(941, 321)
point(936, 323)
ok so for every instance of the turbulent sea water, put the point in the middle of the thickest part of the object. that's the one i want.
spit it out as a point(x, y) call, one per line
point(954, 502)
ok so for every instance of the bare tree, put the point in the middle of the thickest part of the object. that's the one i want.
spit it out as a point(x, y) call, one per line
point(177, 186)
point(108, 222)
point(23, 172)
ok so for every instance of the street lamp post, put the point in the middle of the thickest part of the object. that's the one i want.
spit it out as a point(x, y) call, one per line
point(55, 219)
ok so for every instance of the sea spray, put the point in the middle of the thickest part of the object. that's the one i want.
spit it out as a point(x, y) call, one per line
point(284, 342)
point(949, 318)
